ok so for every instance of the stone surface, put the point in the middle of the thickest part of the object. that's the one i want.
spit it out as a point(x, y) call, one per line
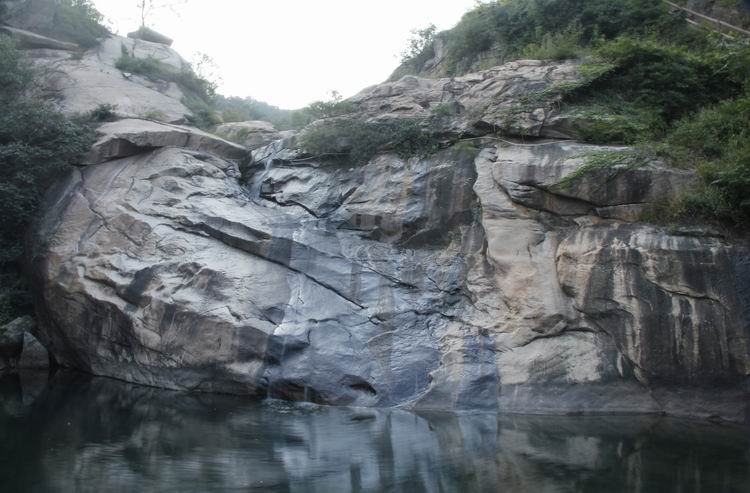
point(128, 137)
point(148, 34)
point(483, 102)
point(34, 355)
point(251, 134)
point(493, 274)
point(11, 341)
point(80, 84)
point(29, 40)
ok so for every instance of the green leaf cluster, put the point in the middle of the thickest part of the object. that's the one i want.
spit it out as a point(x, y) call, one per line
point(359, 140)
point(36, 144)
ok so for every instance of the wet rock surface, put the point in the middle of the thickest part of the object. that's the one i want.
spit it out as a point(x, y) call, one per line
point(479, 277)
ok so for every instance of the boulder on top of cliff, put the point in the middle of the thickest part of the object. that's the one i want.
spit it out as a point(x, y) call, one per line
point(129, 137)
point(251, 134)
point(148, 34)
point(29, 40)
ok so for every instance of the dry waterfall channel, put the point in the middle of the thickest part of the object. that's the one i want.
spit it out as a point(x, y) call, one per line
point(477, 277)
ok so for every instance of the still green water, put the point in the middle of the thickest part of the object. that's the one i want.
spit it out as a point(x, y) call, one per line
point(74, 433)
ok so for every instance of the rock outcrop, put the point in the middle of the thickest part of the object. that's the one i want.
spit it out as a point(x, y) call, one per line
point(494, 100)
point(83, 81)
point(19, 349)
point(251, 134)
point(492, 274)
point(148, 34)
point(129, 137)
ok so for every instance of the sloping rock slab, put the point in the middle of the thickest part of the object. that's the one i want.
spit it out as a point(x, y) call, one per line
point(80, 85)
point(482, 102)
point(30, 40)
point(129, 137)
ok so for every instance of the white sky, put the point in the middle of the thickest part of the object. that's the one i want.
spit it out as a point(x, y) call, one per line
point(292, 52)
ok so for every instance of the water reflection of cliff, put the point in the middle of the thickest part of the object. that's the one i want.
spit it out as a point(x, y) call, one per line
point(75, 433)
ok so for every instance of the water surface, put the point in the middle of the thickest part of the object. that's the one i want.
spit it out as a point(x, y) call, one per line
point(77, 433)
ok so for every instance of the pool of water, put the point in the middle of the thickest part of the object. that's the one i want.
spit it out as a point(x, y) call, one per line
point(77, 433)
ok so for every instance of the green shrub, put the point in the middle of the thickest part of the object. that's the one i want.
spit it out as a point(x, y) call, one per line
point(104, 112)
point(556, 46)
point(36, 142)
point(318, 110)
point(668, 78)
point(199, 92)
point(505, 29)
point(234, 109)
point(716, 142)
point(609, 162)
point(80, 22)
point(156, 115)
point(360, 139)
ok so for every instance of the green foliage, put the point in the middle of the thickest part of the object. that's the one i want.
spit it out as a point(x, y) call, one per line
point(609, 163)
point(668, 78)
point(419, 49)
point(419, 41)
point(360, 139)
point(79, 21)
point(105, 112)
point(318, 110)
point(15, 71)
point(556, 46)
point(234, 109)
point(510, 29)
point(199, 92)
point(154, 69)
point(445, 110)
point(203, 113)
point(716, 142)
point(607, 118)
point(36, 142)
point(156, 115)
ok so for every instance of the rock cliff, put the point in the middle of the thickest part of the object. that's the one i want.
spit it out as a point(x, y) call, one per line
point(491, 274)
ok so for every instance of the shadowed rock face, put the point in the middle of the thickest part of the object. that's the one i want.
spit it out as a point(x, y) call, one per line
point(475, 278)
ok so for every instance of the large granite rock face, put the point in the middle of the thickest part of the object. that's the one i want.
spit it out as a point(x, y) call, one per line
point(492, 274)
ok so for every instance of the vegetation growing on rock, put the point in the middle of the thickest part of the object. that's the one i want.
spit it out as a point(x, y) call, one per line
point(199, 92)
point(36, 143)
point(672, 90)
point(359, 139)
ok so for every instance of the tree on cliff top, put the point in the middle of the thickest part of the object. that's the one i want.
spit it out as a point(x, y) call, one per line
point(147, 8)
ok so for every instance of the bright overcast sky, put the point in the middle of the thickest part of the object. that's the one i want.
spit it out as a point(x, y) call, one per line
point(292, 52)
